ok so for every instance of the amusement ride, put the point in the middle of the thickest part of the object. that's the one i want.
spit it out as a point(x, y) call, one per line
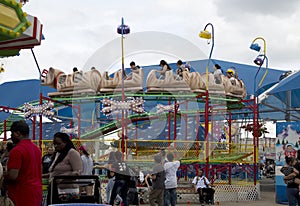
point(145, 113)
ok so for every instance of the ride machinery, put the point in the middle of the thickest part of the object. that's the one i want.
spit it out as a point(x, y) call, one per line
point(160, 114)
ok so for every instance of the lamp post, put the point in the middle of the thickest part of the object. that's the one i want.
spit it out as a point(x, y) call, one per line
point(259, 60)
point(123, 29)
point(207, 35)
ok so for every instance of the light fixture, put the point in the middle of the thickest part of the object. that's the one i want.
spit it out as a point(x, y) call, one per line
point(113, 106)
point(205, 34)
point(166, 108)
point(2, 68)
point(44, 110)
point(259, 61)
point(123, 29)
point(255, 47)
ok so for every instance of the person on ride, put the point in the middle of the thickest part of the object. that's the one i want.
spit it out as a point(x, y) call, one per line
point(230, 75)
point(164, 67)
point(218, 73)
point(133, 69)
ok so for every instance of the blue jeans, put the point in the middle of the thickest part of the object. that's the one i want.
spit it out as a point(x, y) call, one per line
point(170, 197)
point(119, 188)
point(110, 185)
point(293, 196)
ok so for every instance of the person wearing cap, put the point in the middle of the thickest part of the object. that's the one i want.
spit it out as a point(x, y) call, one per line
point(217, 73)
point(230, 75)
point(24, 168)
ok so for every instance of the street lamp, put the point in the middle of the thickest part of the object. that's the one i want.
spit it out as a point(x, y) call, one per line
point(259, 61)
point(207, 35)
point(123, 29)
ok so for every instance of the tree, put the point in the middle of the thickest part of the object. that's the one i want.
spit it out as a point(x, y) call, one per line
point(278, 142)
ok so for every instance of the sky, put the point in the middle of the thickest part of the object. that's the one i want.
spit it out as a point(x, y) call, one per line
point(77, 31)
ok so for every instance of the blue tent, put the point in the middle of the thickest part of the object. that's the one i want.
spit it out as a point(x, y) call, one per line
point(284, 98)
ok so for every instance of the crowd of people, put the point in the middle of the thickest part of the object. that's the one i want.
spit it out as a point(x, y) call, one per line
point(24, 166)
point(160, 181)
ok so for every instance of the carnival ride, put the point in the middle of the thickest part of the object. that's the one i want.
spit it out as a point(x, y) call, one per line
point(182, 116)
point(184, 125)
point(177, 113)
point(92, 82)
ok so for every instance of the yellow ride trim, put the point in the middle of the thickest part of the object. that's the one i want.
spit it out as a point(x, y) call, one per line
point(8, 17)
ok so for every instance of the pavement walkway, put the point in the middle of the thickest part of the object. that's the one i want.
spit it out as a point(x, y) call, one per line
point(267, 199)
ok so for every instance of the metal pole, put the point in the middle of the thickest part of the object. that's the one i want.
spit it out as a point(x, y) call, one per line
point(206, 115)
point(123, 94)
point(41, 100)
point(4, 130)
point(41, 122)
point(255, 109)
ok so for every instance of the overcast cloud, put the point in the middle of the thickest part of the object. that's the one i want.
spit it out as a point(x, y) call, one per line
point(75, 30)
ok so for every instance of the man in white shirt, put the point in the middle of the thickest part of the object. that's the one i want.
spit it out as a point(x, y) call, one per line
point(171, 168)
point(201, 185)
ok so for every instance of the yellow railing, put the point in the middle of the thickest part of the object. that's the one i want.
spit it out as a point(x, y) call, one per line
point(187, 151)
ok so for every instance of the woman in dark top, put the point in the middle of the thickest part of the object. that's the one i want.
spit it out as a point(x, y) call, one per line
point(164, 67)
point(292, 190)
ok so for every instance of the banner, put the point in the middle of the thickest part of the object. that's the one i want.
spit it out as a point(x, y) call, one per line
point(287, 144)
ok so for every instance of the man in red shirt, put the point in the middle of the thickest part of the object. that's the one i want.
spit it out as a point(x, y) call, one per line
point(24, 172)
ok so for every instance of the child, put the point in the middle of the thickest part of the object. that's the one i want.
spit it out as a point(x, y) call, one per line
point(289, 170)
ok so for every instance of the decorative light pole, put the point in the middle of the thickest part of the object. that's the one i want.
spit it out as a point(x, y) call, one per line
point(123, 29)
point(207, 35)
point(259, 60)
